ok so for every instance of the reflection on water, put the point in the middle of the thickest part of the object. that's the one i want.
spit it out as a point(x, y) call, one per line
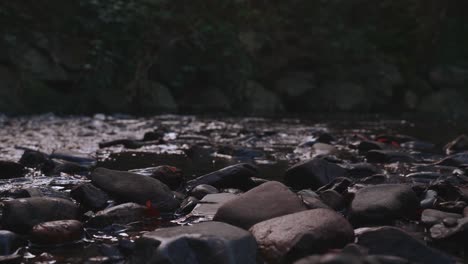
point(197, 146)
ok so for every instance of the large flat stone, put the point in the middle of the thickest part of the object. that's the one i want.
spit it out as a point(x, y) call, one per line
point(204, 243)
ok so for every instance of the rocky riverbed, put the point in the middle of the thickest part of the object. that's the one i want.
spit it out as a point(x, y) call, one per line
point(185, 189)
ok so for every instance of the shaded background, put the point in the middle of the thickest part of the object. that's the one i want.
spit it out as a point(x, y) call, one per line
point(235, 56)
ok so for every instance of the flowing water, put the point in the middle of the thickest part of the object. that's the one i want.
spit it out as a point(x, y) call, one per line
point(196, 145)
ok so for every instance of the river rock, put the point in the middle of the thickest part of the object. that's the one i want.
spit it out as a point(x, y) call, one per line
point(10, 242)
point(311, 199)
point(10, 169)
point(235, 176)
point(361, 170)
point(208, 243)
point(11, 259)
point(351, 259)
point(396, 242)
point(202, 190)
point(383, 204)
point(269, 200)
point(169, 175)
point(132, 187)
point(424, 176)
point(20, 215)
point(69, 167)
point(450, 228)
point(42, 192)
point(312, 174)
point(73, 156)
point(210, 204)
point(89, 196)
point(333, 199)
point(457, 145)
point(367, 145)
point(290, 237)
point(187, 205)
point(431, 217)
point(120, 214)
point(38, 160)
point(57, 232)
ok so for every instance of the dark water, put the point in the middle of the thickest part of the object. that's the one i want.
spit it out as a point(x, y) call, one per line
point(196, 145)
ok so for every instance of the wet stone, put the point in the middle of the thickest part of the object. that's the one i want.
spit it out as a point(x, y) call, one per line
point(209, 242)
point(351, 259)
point(450, 222)
point(89, 196)
point(424, 176)
point(311, 200)
point(429, 200)
point(235, 176)
point(120, 214)
point(457, 145)
point(361, 170)
point(322, 149)
point(339, 185)
point(57, 232)
point(202, 190)
point(388, 156)
point(132, 187)
point(69, 167)
point(431, 217)
point(333, 199)
point(418, 145)
point(169, 175)
point(452, 206)
point(375, 179)
point(187, 205)
point(291, 237)
point(396, 242)
point(41, 192)
point(20, 215)
point(11, 259)
point(312, 174)
point(38, 160)
point(10, 242)
point(383, 204)
point(269, 200)
point(210, 204)
point(73, 156)
point(367, 145)
point(10, 169)
point(450, 228)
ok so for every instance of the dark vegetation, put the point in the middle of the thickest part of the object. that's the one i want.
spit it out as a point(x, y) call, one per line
point(236, 56)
